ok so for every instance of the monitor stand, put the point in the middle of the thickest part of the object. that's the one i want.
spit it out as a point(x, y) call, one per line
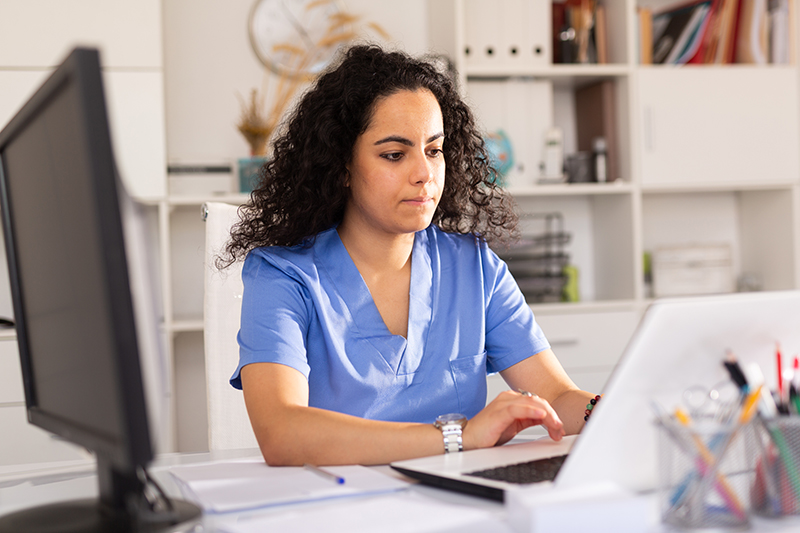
point(123, 506)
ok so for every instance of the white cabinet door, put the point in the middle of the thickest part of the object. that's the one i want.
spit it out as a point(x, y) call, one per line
point(718, 125)
point(11, 390)
point(39, 33)
point(21, 441)
point(588, 345)
point(135, 102)
point(24, 443)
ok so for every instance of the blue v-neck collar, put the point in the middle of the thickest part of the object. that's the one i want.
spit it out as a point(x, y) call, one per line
point(403, 355)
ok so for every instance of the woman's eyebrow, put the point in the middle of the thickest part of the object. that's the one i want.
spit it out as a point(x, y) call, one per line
point(407, 142)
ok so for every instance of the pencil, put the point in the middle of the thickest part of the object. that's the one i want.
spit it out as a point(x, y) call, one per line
point(721, 484)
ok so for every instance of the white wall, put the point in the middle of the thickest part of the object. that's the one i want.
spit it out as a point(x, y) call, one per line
point(208, 63)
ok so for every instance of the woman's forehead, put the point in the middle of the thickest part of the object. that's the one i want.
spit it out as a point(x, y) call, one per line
point(416, 110)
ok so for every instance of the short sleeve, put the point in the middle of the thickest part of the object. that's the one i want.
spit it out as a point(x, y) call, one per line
point(275, 318)
point(512, 333)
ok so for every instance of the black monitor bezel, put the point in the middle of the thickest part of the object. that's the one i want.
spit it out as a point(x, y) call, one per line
point(132, 448)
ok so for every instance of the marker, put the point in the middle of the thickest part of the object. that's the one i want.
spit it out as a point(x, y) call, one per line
point(780, 370)
point(324, 473)
point(755, 377)
point(735, 371)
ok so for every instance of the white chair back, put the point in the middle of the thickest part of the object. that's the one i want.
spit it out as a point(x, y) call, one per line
point(228, 423)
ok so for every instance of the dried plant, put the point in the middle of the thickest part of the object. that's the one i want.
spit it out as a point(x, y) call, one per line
point(256, 125)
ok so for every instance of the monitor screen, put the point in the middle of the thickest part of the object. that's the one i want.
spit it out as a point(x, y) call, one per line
point(63, 209)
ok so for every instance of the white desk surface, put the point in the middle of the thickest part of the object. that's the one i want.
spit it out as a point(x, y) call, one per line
point(23, 486)
point(29, 485)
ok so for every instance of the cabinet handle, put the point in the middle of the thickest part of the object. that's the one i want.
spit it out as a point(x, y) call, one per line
point(563, 342)
point(649, 129)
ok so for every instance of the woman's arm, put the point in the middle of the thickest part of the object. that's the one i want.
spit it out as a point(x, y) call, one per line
point(542, 374)
point(289, 432)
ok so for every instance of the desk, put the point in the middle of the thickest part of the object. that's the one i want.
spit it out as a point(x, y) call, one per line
point(30, 485)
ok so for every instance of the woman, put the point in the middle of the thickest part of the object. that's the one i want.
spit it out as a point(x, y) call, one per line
point(372, 302)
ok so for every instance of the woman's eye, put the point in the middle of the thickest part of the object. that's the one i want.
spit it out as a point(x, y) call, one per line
point(435, 152)
point(394, 156)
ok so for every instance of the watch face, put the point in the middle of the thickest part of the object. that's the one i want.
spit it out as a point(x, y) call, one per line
point(450, 417)
point(295, 37)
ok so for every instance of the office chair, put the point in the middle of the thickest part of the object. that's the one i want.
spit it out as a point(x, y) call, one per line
point(228, 423)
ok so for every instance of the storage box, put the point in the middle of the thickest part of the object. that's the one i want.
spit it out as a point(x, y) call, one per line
point(201, 179)
point(694, 269)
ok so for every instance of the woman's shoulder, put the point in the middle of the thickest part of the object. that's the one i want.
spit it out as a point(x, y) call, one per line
point(303, 257)
point(461, 243)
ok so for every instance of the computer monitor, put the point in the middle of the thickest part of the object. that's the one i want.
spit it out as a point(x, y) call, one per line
point(80, 326)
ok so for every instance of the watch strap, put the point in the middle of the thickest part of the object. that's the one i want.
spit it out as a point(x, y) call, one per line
point(451, 434)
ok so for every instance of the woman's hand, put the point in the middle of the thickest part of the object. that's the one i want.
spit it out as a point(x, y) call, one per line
point(507, 415)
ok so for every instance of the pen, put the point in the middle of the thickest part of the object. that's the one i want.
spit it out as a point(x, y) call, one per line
point(324, 473)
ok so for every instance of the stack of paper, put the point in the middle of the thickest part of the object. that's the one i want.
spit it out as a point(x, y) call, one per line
point(241, 485)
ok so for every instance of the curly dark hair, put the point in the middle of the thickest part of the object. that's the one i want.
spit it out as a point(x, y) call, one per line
point(302, 189)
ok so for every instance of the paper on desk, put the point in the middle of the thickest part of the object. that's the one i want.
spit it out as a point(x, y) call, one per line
point(242, 485)
point(405, 512)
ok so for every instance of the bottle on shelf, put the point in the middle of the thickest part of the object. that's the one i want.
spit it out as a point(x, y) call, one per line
point(600, 160)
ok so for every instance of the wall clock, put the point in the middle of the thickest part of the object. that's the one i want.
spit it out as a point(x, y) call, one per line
point(297, 38)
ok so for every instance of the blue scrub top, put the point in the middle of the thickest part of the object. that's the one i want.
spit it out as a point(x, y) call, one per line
point(308, 307)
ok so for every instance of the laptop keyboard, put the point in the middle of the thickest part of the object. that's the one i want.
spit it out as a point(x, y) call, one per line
point(530, 472)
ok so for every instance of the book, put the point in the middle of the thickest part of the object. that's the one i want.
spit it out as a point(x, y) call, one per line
point(685, 49)
point(673, 28)
point(726, 48)
point(595, 111)
point(695, 40)
point(779, 32)
point(600, 36)
point(645, 36)
point(752, 38)
point(710, 33)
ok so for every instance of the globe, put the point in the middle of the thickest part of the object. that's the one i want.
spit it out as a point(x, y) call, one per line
point(501, 154)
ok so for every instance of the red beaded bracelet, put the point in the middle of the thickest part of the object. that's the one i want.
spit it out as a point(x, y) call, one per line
point(590, 406)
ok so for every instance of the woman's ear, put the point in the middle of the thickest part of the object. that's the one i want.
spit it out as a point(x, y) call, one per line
point(346, 178)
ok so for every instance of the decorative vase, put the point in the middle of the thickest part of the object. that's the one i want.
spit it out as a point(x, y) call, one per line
point(249, 170)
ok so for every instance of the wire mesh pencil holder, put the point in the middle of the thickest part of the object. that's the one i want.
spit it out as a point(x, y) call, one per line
point(704, 474)
point(776, 485)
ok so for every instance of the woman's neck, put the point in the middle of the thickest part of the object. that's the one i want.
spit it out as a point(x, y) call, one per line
point(376, 253)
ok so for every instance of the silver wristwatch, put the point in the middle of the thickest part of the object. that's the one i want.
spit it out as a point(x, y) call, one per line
point(451, 425)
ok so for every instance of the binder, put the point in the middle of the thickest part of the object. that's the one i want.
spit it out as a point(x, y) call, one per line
point(482, 32)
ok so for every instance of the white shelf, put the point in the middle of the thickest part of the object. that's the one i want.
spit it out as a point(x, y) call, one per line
point(565, 308)
point(667, 188)
point(572, 189)
point(549, 71)
point(194, 199)
point(187, 325)
point(232, 198)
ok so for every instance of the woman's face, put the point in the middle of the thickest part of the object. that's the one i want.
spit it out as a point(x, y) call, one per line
point(396, 173)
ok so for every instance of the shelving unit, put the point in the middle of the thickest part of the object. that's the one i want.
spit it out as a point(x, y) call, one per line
point(707, 154)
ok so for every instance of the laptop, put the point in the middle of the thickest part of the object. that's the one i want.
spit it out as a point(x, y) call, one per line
point(678, 344)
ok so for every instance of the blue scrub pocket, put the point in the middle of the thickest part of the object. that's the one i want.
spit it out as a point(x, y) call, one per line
point(469, 374)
